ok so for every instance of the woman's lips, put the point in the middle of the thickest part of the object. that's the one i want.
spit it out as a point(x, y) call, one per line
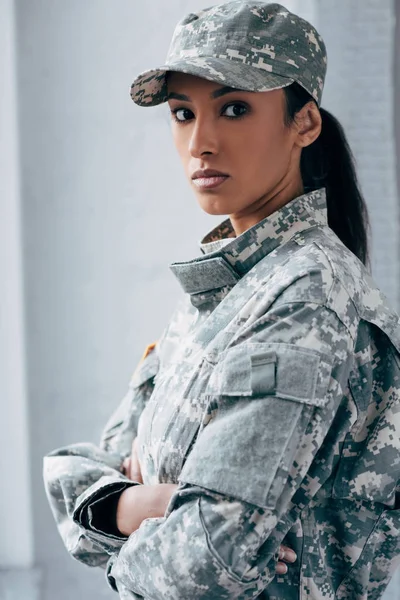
point(210, 182)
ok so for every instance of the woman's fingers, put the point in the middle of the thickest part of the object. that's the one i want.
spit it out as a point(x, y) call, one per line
point(281, 568)
point(131, 466)
point(136, 472)
point(286, 554)
point(126, 466)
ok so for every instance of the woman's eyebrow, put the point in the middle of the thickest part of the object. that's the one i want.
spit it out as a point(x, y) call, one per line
point(216, 94)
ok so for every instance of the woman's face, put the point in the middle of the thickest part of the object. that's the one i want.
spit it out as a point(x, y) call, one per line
point(241, 136)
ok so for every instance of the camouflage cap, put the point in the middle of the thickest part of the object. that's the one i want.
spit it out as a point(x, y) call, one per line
point(253, 46)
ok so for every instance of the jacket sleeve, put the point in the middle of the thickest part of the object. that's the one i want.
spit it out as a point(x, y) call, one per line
point(79, 477)
point(264, 449)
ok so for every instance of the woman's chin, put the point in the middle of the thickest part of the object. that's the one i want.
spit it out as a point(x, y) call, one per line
point(214, 206)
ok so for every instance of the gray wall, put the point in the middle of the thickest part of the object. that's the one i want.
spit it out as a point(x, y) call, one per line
point(105, 207)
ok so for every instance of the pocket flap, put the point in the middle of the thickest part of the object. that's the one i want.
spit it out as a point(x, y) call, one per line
point(274, 369)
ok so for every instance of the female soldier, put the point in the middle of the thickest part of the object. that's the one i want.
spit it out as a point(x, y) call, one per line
point(267, 412)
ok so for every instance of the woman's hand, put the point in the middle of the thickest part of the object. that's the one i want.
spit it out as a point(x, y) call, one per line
point(141, 502)
point(131, 465)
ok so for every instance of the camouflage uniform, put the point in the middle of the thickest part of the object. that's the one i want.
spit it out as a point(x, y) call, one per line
point(273, 399)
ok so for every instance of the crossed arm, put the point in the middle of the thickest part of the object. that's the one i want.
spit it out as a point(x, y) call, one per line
point(138, 503)
point(220, 535)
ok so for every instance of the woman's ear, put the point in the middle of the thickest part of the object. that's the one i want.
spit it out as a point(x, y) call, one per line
point(308, 124)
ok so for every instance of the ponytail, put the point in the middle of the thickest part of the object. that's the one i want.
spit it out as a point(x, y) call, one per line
point(328, 162)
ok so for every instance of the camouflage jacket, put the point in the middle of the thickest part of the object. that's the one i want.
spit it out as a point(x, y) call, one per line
point(272, 398)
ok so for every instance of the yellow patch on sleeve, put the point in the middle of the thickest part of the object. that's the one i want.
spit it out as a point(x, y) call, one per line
point(149, 349)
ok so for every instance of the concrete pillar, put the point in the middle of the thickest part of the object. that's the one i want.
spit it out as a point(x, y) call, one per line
point(17, 579)
point(397, 104)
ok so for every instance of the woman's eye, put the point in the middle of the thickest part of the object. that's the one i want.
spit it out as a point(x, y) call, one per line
point(182, 114)
point(234, 110)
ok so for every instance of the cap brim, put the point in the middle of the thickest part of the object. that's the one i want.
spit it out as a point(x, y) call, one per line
point(150, 88)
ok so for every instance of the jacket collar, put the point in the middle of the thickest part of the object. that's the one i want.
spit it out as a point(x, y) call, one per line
point(226, 258)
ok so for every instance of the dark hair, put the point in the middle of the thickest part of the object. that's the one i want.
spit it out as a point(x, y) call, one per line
point(328, 162)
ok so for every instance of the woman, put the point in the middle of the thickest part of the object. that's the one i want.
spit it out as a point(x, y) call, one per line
point(266, 413)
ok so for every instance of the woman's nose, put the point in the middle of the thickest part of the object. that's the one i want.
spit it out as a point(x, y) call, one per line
point(203, 139)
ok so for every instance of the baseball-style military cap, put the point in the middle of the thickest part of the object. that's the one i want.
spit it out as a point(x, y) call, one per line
point(253, 46)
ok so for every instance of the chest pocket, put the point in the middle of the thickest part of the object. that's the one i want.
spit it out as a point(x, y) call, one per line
point(261, 401)
point(369, 466)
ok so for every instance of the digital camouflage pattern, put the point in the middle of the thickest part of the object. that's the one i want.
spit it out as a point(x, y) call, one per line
point(272, 398)
point(253, 46)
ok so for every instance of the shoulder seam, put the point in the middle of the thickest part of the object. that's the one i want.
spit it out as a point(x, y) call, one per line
point(335, 275)
point(329, 308)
